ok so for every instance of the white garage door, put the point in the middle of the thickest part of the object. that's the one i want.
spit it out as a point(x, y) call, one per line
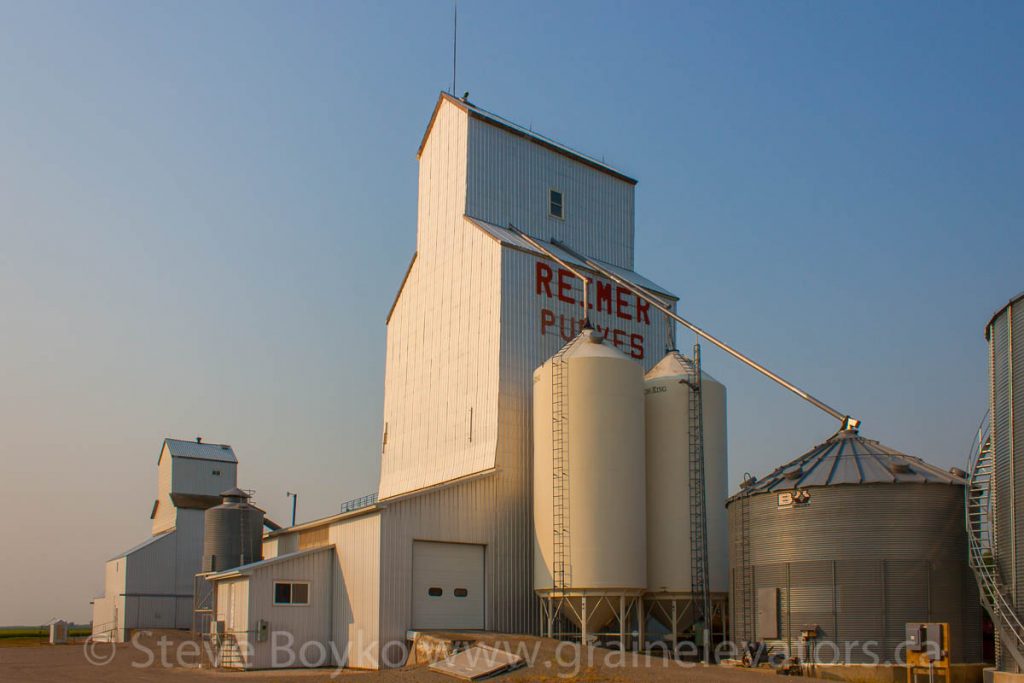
point(447, 585)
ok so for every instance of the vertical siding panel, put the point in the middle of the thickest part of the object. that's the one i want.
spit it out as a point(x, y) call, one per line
point(356, 590)
point(508, 180)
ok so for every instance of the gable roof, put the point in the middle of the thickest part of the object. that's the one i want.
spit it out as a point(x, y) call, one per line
point(516, 129)
point(199, 451)
point(149, 541)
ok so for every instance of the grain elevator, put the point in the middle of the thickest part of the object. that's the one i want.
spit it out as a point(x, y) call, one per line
point(490, 294)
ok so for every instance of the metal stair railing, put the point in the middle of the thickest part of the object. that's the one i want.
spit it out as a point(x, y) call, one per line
point(104, 633)
point(979, 507)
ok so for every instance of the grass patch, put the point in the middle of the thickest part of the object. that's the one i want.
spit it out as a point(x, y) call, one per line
point(27, 632)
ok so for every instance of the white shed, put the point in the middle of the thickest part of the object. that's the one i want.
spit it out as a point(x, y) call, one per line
point(321, 599)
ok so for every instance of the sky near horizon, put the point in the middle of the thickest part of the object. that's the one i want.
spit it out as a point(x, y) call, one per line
point(206, 210)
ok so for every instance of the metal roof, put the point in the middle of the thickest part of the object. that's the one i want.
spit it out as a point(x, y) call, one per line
point(849, 458)
point(509, 238)
point(253, 566)
point(149, 541)
point(201, 451)
point(495, 120)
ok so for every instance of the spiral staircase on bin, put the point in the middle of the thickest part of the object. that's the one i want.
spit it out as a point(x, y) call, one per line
point(980, 507)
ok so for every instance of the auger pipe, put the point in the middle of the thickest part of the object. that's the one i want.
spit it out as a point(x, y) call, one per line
point(847, 421)
point(550, 254)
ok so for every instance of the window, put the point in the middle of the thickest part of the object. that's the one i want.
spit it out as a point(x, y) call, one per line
point(461, 592)
point(556, 204)
point(216, 473)
point(435, 592)
point(291, 593)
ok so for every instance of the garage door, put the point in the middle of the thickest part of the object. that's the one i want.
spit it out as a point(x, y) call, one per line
point(447, 585)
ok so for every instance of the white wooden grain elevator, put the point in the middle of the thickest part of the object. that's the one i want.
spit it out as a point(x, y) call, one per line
point(488, 297)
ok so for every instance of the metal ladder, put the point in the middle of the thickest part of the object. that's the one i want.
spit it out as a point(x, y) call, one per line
point(698, 500)
point(561, 570)
point(979, 506)
point(745, 620)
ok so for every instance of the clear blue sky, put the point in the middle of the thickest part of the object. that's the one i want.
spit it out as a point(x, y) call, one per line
point(206, 210)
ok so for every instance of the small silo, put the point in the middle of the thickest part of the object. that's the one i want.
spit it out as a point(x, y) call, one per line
point(668, 391)
point(234, 533)
point(850, 542)
point(588, 485)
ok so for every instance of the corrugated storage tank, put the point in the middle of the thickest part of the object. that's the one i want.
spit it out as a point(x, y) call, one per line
point(589, 478)
point(234, 533)
point(1005, 336)
point(856, 539)
point(667, 399)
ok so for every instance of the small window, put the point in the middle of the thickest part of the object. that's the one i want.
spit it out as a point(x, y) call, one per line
point(556, 204)
point(461, 592)
point(435, 592)
point(291, 593)
point(216, 473)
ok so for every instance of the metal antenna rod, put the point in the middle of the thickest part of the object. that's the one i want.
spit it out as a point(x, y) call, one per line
point(572, 269)
point(455, 43)
point(654, 300)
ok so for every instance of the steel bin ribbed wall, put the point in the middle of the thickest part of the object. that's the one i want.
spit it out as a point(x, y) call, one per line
point(860, 562)
point(1005, 336)
point(233, 533)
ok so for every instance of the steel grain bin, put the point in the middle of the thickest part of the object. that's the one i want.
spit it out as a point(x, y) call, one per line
point(233, 533)
point(851, 540)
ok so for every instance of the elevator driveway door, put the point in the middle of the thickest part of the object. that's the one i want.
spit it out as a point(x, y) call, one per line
point(447, 586)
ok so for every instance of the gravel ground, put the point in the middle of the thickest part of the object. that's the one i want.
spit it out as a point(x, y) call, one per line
point(59, 663)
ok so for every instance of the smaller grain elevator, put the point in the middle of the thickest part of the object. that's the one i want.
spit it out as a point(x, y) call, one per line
point(846, 544)
point(590, 557)
point(234, 533)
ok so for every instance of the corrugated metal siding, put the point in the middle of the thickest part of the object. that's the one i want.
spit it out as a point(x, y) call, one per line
point(197, 476)
point(151, 569)
point(999, 342)
point(860, 603)
point(306, 623)
point(509, 178)
point(1006, 375)
point(188, 538)
point(491, 511)
point(1017, 437)
point(441, 381)
point(861, 577)
point(356, 594)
